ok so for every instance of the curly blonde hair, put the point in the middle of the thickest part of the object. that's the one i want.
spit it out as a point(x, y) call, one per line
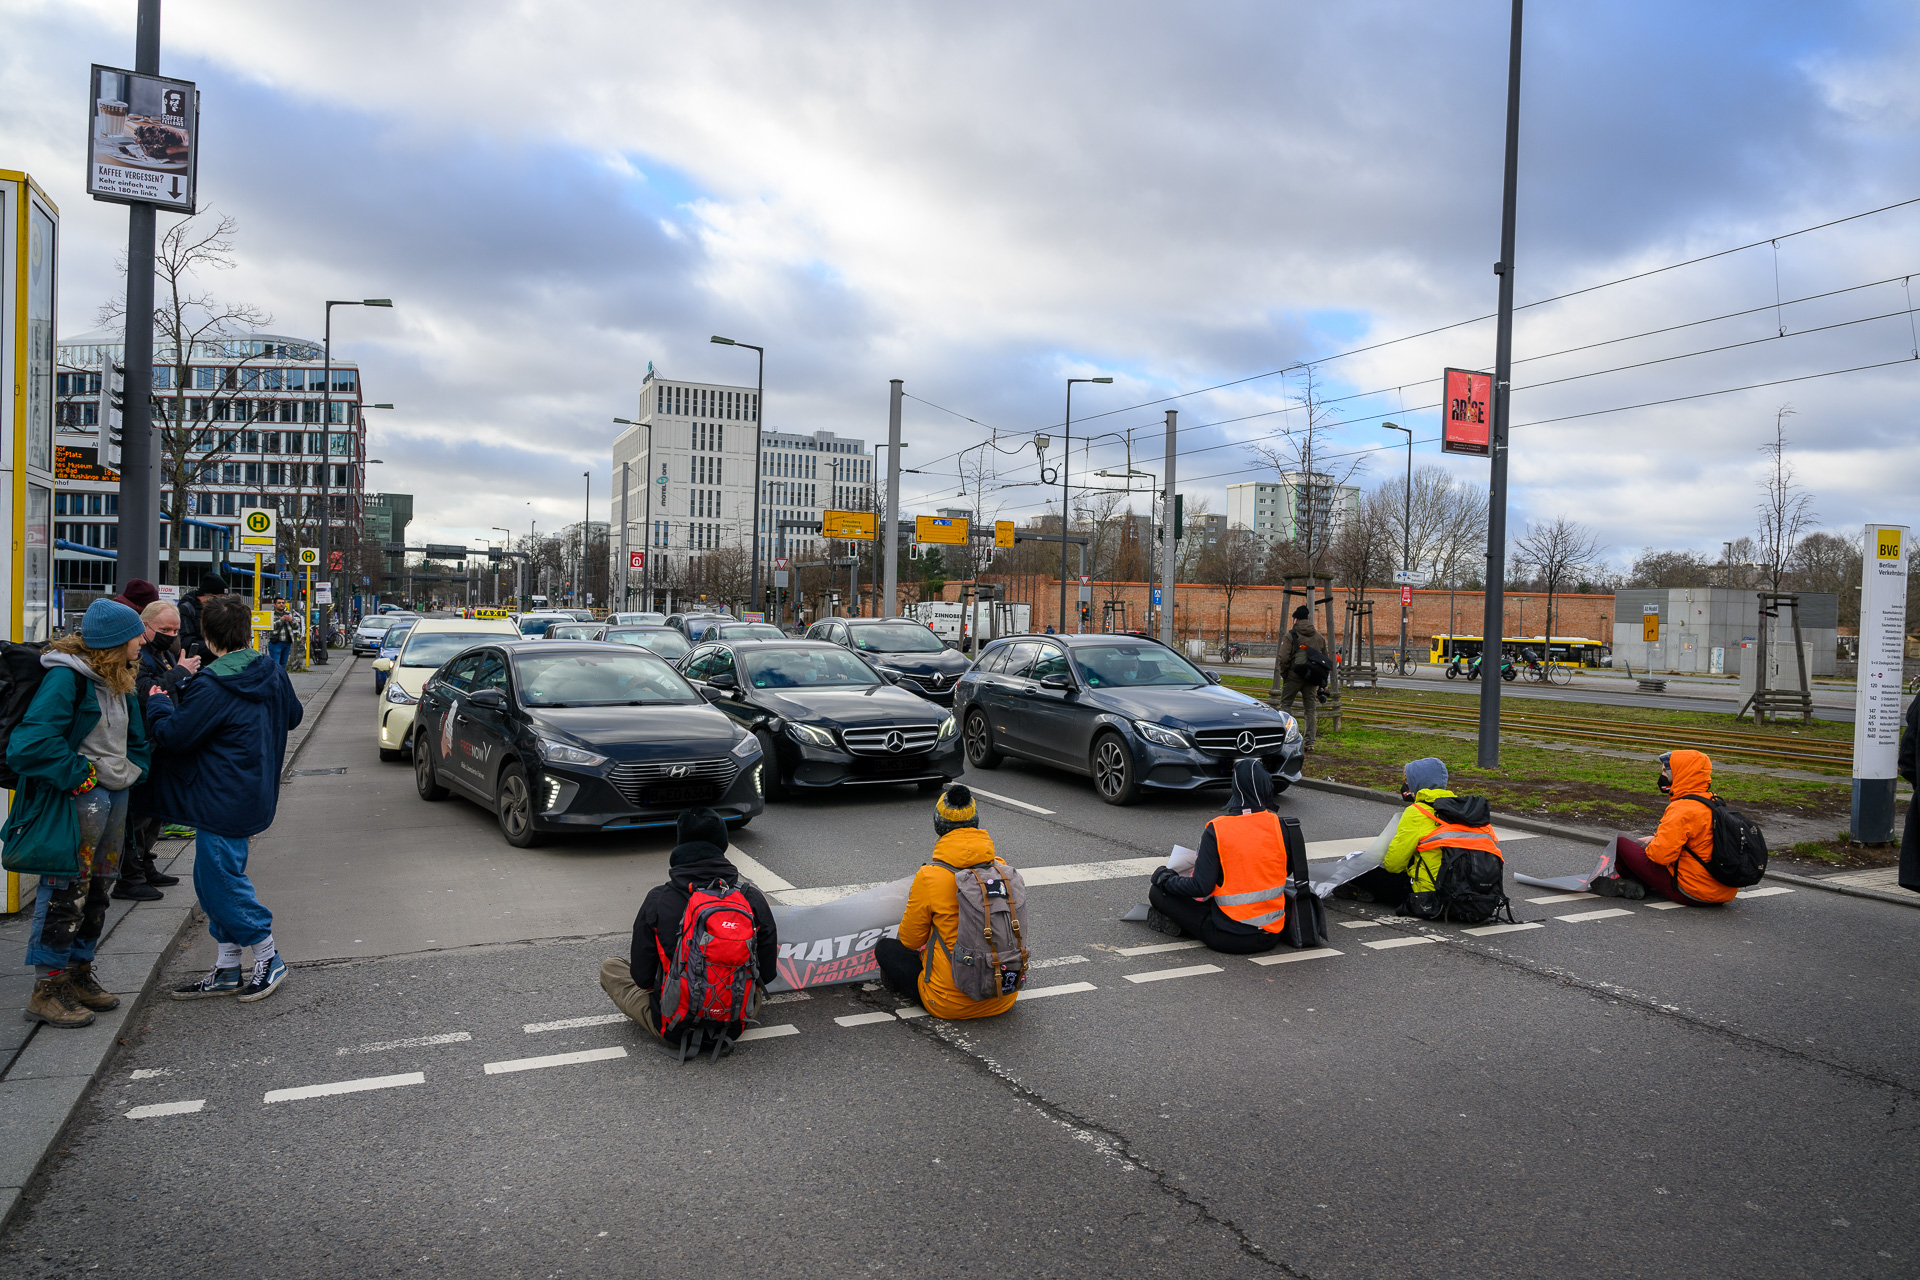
point(110, 665)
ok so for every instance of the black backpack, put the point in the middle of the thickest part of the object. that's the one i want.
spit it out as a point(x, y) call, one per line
point(1739, 855)
point(1470, 885)
point(1315, 666)
point(20, 676)
point(1306, 922)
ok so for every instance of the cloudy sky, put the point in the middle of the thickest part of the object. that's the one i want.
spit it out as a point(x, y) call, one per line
point(983, 200)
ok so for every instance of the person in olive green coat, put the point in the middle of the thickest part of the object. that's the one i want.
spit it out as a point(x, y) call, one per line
point(78, 750)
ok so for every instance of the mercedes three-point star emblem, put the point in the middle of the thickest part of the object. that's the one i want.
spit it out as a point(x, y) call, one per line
point(896, 741)
point(1246, 742)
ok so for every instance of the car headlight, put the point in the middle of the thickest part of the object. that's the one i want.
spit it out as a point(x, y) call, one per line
point(811, 733)
point(1160, 735)
point(399, 695)
point(560, 753)
point(1293, 730)
point(747, 748)
point(948, 728)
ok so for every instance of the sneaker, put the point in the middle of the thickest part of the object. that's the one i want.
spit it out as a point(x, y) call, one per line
point(137, 890)
point(155, 876)
point(267, 974)
point(219, 982)
point(1619, 887)
point(174, 831)
point(53, 1003)
point(87, 989)
point(1160, 922)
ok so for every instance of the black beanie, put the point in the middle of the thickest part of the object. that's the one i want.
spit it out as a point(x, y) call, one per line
point(697, 827)
point(212, 585)
point(1302, 614)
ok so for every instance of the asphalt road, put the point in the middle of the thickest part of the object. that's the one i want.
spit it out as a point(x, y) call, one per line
point(1641, 1093)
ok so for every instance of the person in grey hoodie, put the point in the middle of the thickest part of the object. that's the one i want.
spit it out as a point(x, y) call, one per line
point(78, 750)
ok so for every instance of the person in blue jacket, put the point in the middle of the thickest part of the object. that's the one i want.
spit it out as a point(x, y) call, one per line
point(221, 740)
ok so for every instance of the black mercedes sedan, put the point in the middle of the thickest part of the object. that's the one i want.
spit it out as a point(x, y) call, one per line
point(825, 719)
point(1130, 713)
point(909, 650)
point(558, 736)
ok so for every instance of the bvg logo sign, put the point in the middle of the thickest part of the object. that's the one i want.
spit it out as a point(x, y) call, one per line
point(259, 522)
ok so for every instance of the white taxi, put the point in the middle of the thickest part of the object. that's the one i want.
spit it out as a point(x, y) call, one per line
point(431, 642)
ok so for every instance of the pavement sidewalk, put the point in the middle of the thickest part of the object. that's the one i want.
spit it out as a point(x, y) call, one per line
point(44, 1073)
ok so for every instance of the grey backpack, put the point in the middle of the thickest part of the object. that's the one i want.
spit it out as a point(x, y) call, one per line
point(991, 959)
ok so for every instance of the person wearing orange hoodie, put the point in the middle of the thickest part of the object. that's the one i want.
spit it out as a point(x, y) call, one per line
point(1673, 863)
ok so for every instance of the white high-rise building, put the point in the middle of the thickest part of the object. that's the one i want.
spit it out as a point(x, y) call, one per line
point(1276, 511)
point(808, 474)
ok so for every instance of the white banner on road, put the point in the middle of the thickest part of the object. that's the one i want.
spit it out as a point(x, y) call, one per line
point(1883, 617)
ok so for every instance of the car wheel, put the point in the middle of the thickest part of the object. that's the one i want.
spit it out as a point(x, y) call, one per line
point(514, 807)
point(423, 780)
point(392, 757)
point(770, 786)
point(1113, 771)
point(979, 741)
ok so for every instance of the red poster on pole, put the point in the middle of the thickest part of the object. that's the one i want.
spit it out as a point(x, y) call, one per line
point(636, 559)
point(1406, 597)
point(1465, 411)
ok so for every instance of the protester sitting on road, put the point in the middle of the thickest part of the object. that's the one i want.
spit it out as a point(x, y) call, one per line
point(920, 963)
point(1294, 674)
point(698, 864)
point(80, 746)
point(1234, 900)
point(222, 747)
point(1673, 861)
point(1404, 870)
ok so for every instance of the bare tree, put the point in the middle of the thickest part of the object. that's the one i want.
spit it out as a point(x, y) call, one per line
point(1785, 509)
point(1301, 451)
point(199, 430)
point(1829, 562)
point(1448, 523)
point(1672, 569)
point(1233, 564)
point(1558, 551)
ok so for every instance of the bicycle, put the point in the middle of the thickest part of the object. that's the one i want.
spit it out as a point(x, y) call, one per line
point(1397, 666)
point(1559, 673)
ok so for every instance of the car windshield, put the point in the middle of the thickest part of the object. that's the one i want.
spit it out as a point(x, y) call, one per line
point(535, 626)
point(895, 637)
point(807, 669)
point(432, 648)
point(396, 635)
point(751, 631)
point(1122, 666)
point(571, 631)
point(670, 645)
point(602, 678)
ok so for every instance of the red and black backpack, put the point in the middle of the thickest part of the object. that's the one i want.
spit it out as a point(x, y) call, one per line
point(711, 978)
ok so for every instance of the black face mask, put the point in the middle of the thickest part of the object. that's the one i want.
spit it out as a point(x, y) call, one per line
point(168, 644)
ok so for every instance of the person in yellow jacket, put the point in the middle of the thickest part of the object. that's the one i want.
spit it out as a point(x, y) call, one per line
point(916, 966)
point(1406, 871)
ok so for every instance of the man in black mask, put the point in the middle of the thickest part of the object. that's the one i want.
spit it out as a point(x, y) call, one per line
point(161, 667)
point(1235, 898)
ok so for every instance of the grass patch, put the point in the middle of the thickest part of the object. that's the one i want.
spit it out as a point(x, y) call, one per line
point(1841, 855)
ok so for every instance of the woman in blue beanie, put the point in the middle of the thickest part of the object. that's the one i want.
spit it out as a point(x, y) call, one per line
point(80, 747)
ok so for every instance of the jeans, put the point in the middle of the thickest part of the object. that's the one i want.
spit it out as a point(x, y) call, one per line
point(69, 912)
point(279, 651)
point(234, 913)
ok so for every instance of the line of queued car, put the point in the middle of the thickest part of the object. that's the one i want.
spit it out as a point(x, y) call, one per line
point(579, 726)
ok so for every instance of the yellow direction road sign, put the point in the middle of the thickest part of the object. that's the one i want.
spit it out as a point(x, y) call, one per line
point(259, 527)
point(948, 531)
point(1650, 623)
point(1003, 533)
point(854, 526)
point(310, 555)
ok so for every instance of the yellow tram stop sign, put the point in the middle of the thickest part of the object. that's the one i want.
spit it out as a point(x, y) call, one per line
point(310, 556)
point(259, 529)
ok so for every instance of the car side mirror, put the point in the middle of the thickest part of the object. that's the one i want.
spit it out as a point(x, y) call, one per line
point(1058, 680)
point(383, 664)
point(712, 694)
point(488, 699)
point(1213, 677)
point(723, 680)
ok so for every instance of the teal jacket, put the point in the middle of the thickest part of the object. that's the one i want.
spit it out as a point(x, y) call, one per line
point(43, 833)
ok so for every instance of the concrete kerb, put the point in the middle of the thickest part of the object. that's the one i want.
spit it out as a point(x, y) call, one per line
point(47, 1081)
point(1591, 836)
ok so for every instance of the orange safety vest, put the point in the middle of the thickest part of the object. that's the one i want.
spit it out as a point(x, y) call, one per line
point(1253, 870)
point(1455, 836)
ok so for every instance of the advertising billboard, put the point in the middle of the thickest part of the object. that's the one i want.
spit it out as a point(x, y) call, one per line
point(141, 139)
point(1465, 412)
point(945, 531)
point(853, 526)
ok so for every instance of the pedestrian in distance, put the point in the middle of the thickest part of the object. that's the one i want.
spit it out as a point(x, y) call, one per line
point(79, 748)
point(191, 637)
point(1235, 898)
point(284, 634)
point(1680, 859)
point(223, 738)
point(704, 945)
point(1301, 669)
point(1910, 838)
point(138, 594)
point(962, 949)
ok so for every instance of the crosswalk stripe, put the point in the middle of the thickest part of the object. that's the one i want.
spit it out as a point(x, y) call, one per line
point(1064, 989)
point(1663, 906)
point(1312, 953)
point(554, 1060)
point(1563, 897)
point(863, 1019)
point(1608, 914)
point(1156, 948)
point(414, 1042)
point(347, 1086)
point(1766, 892)
point(1359, 924)
point(753, 869)
point(909, 1013)
point(1081, 872)
point(768, 1033)
point(568, 1024)
point(154, 1110)
point(1160, 975)
point(1018, 804)
point(1388, 944)
point(1488, 930)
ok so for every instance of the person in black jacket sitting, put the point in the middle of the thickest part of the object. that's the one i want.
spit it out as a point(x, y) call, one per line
point(1235, 898)
point(699, 858)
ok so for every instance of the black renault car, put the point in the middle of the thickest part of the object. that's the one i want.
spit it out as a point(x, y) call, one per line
point(559, 736)
point(824, 718)
point(907, 649)
point(1130, 713)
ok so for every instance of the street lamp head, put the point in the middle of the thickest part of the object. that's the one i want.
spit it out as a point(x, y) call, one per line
point(376, 406)
point(376, 462)
point(626, 422)
point(717, 340)
point(376, 302)
point(1391, 426)
point(1099, 379)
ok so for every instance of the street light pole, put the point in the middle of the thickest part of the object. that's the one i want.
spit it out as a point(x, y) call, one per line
point(586, 518)
point(326, 450)
point(759, 394)
point(1066, 448)
point(890, 592)
point(1406, 533)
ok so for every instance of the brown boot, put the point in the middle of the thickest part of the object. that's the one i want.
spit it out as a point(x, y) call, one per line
point(53, 1003)
point(87, 989)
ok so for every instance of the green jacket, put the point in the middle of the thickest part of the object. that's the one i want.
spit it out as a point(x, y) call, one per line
point(1415, 825)
point(43, 832)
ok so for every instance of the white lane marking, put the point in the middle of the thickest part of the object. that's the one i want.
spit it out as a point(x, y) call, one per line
point(786, 997)
point(1158, 975)
point(1156, 948)
point(345, 1086)
point(757, 871)
point(1311, 953)
point(150, 1073)
point(1064, 989)
point(1766, 892)
point(816, 897)
point(1080, 872)
point(153, 1109)
point(1388, 944)
point(1663, 906)
point(568, 1024)
point(910, 1012)
point(1488, 930)
point(1057, 961)
point(1563, 897)
point(1608, 914)
point(768, 1033)
point(1018, 804)
point(1359, 924)
point(863, 1019)
point(415, 1042)
point(555, 1060)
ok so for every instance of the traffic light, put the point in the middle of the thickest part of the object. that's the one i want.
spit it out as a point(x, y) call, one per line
point(113, 404)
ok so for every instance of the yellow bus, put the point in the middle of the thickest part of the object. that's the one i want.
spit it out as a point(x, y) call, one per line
point(1568, 651)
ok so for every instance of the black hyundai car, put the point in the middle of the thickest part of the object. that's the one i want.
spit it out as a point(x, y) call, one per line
point(824, 718)
point(909, 650)
point(560, 736)
point(1130, 713)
